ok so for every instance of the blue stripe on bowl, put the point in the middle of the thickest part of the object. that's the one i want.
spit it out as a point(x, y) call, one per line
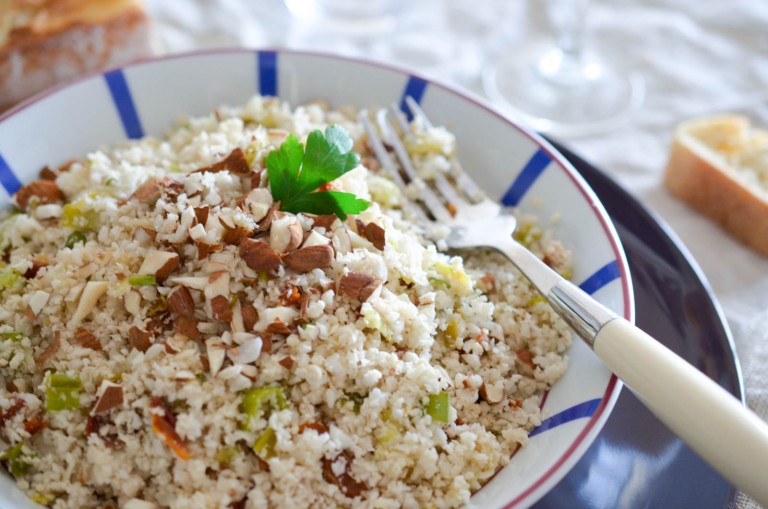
point(121, 95)
point(266, 62)
point(580, 411)
point(414, 88)
point(531, 171)
point(602, 277)
point(8, 178)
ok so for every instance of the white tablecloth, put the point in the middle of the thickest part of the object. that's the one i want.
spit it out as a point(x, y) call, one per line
point(697, 58)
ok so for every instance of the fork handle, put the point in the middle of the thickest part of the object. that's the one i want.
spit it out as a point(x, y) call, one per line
point(716, 425)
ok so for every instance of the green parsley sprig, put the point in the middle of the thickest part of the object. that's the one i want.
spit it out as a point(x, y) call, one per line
point(296, 173)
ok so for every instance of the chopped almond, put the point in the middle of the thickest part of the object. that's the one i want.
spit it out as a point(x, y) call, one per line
point(87, 339)
point(250, 317)
point(139, 339)
point(37, 302)
point(292, 296)
point(376, 235)
point(285, 234)
point(48, 353)
point(324, 221)
point(161, 264)
point(357, 285)
point(201, 214)
point(316, 426)
point(46, 191)
point(187, 326)
point(525, 356)
point(259, 255)
point(111, 397)
point(15, 408)
point(233, 233)
point(235, 162)
point(278, 327)
point(266, 342)
point(287, 362)
point(348, 485)
point(266, 222)
point(149, 192)
point(48, 174)
point(91, 293)
point(31, 272)
point(492, 393)
point(180, 301)
point(216, 351)
point(220, 308)
point(308, 258)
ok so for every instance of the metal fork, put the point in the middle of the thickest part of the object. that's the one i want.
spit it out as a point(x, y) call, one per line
point(715, 424)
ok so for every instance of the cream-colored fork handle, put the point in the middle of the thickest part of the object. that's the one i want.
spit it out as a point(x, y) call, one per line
point(710, 420)
point(716, 425)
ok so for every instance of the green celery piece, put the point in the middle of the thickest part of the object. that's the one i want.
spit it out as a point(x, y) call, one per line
point(9, 278)
point(262, 401)
point(356, 399)
point(143, 280)
point(74, 239)
point(62, 392)
point(439, 406)
point(264, 446)
point(42, 499)
point(12, 336)
point(76, 215)
point(17, 464)
point(225, 455)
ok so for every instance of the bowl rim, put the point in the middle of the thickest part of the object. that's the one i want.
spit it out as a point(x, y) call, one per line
point(614, 386)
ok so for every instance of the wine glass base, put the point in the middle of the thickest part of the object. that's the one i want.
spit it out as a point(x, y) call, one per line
point(590, 99)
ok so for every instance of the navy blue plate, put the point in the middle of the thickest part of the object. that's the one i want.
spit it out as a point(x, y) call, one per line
point(636, 461)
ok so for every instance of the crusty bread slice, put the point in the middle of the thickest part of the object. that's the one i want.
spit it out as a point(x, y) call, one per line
point(46, 42)
point(719, 165)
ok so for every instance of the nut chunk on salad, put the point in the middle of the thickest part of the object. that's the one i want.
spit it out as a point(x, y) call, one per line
point(240, 314)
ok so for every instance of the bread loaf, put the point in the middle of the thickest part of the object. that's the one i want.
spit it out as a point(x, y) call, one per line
point(719, 165)
point(46, 42)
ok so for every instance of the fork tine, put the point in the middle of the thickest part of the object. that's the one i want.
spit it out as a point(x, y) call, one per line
point(389, 165)
point(451, 197)
point(428, 197)
point(463, 181)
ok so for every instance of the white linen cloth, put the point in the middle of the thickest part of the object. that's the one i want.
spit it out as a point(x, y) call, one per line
point(696, 57)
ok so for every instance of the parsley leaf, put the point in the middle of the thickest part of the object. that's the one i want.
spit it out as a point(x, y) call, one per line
point(296, 173)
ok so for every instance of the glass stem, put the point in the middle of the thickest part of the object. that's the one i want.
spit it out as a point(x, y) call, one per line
point(565, 63)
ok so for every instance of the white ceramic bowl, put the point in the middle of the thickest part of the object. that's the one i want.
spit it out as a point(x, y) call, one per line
point(509, 161)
